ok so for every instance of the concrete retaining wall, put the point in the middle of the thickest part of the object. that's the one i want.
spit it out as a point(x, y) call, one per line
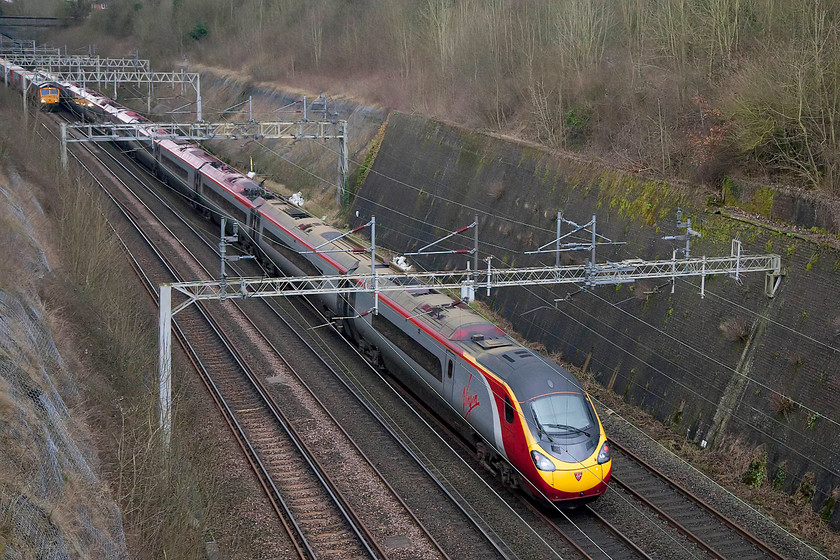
point(667, 353)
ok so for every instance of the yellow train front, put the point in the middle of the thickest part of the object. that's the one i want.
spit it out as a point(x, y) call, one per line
point(36, 85)
point(48, 97)
point(544, 424)
point(529, 418)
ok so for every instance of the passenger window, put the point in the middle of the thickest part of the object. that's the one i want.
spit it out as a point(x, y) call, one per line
point(508, 410)
point(449, 370)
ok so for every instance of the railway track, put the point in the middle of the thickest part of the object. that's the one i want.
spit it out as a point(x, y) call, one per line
point(316, 515)
point(593, 536)
point(596, 537)
point(589, 535)
point(247, 411)
point(709, 529)
point(325, 524)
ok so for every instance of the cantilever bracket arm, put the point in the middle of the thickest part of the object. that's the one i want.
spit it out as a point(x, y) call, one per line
point(597, 238)
point(354, 230)
point(422, 250)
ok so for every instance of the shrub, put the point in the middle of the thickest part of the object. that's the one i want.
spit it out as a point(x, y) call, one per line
point(783, 405)
point(199, 30)
point(735, 329)
point(756, 472)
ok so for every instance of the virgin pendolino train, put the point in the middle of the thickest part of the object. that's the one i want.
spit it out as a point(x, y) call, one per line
point(528, 418)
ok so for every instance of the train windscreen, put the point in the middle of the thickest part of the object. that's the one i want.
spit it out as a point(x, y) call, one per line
point(563, 414)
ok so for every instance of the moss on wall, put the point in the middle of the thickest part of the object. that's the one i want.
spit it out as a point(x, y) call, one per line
point(668, 353)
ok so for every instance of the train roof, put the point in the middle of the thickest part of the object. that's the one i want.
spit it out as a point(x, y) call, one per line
point(36, 77)
point(528, 373)
point(309, 229)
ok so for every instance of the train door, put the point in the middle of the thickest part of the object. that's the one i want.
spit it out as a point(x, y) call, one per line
point(255, 230)
point(347, 309)
point(449, 376)
point(156, 155)
point(196, 187)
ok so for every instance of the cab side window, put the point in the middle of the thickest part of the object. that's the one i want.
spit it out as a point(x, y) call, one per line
point(508, 410)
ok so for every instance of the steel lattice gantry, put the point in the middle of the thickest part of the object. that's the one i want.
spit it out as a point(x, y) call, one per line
point(292, 130)
point(133, 75)
point(278, 130)
point(587, 274)
point(128, 75)
point(14, 46)
point(66, 63)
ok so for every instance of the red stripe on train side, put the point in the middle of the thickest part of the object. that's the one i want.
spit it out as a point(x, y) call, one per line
point(339, 267)
point(239, 197)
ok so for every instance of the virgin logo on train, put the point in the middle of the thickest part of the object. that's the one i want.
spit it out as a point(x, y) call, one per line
point(468, 402)
point(578, 476)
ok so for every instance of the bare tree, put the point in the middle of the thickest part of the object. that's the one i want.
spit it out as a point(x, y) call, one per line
point(582, 29)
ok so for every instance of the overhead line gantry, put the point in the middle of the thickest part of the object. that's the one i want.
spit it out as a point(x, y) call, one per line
point(87, 69)
point(590, 274)
point(251, 130)
point(63, 63)
point(9, 45)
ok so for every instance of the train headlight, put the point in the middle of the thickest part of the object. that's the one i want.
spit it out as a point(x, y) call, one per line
point(542, 462)
point(604, 455)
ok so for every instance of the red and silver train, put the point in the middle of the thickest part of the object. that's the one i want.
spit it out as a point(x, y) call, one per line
point(528, 418)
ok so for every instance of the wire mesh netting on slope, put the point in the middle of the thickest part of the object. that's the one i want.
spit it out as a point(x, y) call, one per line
point(52, 505)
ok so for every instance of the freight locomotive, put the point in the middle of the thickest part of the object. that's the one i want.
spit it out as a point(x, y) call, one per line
point(35, 84)
point(528, 418)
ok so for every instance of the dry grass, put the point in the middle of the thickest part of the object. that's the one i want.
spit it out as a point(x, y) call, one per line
point(107, 332)
point(7, 404)
point(166, 497)
point(782, 405)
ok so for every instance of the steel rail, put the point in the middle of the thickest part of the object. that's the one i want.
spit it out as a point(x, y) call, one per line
point(355, 445)
point(250, 452)
point(522, 498)
point(366, 539)
point(214, 248)
point(742, 532)
point(344, 432)
point(364, 536)
point(273, 495)
point(493, 539)
point(603, 521)
point(229, 415)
